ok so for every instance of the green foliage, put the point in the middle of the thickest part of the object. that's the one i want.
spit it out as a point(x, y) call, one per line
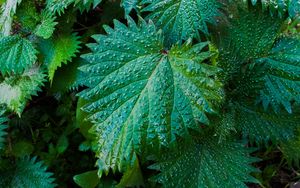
point(58, 50)
point(88, 179)
point(26, 172)
point(8, 9)
point(290, 150)
point(129, 5)
point(260, 126)
point(202, 163)
point(182, 19)
point(153, 93)
point(2, 130)
point(280, 75)
point(280, 6)
point(16, 54)
point(60, 5)
point(16, 90)
point(46, 28)
point(133, 177)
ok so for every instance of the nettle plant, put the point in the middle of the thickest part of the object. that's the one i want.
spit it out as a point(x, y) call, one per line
point(177, 93)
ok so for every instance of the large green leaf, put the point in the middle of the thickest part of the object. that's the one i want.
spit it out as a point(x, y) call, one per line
point(58, 50)
point(181, 19)
point(16, 54)
point(16, 90)
point(26, 173)
point(143, 95)
point(206, 163)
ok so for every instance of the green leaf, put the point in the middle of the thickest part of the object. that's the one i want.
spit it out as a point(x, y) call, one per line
point(22, 148)
point(47, 26)
point(133, 177)
point(141, 94)
point(280, 75)
point(26, 173)
point(62, 144)
point(86, 4)
point(129, 5)
point(27, 16)
point(88, 179)
point(68, 77)
point(249, 35)
point(58, 50)
point(206, 163)
point(291, 151)
point(261, 126)
point(181, 19)
point(2, 129)
point(294, 8)
point(16, 54)
point(280, 7)
point(16, 90)
point(60, 5)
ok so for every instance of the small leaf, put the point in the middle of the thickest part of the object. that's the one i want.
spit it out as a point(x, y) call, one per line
point(88, 179)
point(58, 50)
point(47, 26)
point(62, 144)
point(16, 55)
point(133, 177)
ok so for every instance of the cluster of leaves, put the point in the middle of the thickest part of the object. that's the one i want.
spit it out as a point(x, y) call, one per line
point(171, 93)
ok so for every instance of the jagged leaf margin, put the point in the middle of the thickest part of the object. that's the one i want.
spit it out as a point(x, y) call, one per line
point(16, 54)
point(129, 5)
point(47, 26)
point(59, 6)
point(292, 7)
point(26, 173)
point(142, 95)
point(58, 50)
point(181, 19)
point(280, 75)
point(206, 163)
point(259, 126)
